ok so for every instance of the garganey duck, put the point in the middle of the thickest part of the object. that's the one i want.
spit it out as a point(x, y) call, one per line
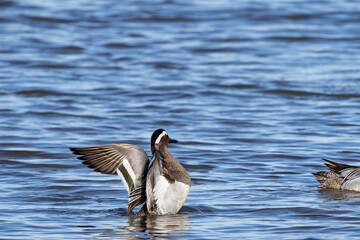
point(340, 176)
point(160, 182)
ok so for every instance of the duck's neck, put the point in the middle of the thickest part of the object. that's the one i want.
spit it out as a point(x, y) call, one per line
point(162, 148)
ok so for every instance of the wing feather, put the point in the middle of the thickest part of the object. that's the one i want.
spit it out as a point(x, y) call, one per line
point(348, 175)
point(128, 161)
point(351, 179)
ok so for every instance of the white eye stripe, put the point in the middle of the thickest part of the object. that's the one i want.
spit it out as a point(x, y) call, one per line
point(160, 137)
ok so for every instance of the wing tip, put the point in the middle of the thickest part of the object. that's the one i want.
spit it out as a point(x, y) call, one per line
point(75, 150)
point(329, 161)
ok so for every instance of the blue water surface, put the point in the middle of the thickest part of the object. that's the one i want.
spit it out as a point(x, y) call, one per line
point(257, 93)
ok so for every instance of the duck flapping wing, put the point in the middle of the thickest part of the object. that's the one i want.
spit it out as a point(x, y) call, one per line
point(128, 161)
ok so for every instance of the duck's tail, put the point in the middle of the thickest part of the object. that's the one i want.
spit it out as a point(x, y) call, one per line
point(330, 179)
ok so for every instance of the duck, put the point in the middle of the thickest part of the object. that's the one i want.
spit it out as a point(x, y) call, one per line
point(158, 182)
point(340, 176)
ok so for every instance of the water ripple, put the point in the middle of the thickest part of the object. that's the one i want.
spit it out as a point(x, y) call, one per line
point(257, 93)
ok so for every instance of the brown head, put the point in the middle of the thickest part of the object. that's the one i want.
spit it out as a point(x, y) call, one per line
point(160, 139)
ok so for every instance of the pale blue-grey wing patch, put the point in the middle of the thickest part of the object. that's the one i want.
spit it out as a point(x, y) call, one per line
point(350, 173)
point(351, 179)
point(151, 178)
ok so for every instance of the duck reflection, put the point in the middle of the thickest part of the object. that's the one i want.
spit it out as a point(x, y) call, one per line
point(339, 195)
point(158, 225)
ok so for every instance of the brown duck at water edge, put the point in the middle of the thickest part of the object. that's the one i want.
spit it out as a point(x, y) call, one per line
point(161, 182)
point(340, 176)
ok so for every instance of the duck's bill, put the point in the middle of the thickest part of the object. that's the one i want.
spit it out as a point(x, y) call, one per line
point(173, 140)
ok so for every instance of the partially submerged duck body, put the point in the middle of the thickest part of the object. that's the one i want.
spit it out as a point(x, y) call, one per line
point(340, 176)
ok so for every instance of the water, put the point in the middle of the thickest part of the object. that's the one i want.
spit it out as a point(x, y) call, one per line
point(257, 92)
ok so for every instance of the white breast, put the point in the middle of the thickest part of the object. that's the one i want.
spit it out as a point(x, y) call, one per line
point(169, 197)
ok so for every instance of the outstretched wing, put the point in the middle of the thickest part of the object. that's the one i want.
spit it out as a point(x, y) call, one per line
point(126, 160)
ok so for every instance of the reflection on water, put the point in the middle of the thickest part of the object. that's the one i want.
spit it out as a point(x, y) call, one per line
point(141, 227)
point(158, 225)
point(338, 195)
